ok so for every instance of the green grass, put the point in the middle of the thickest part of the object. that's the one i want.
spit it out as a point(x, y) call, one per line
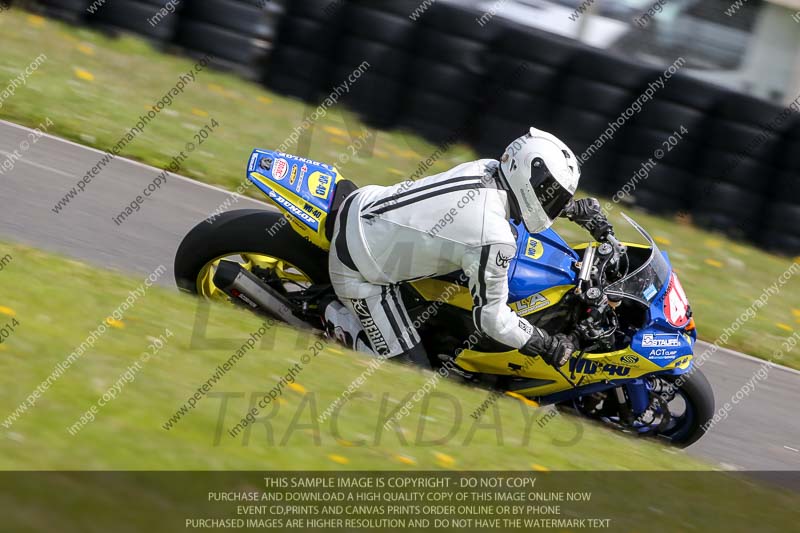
point(127, 432)
point(722, 277)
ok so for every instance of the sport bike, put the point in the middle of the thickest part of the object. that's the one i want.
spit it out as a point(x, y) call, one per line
point(635, 370)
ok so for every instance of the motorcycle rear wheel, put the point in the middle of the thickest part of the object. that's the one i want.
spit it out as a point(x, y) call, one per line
point(253, 238)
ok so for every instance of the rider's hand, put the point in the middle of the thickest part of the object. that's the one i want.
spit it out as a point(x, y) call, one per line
point(560, 348)
point(587, 213)
point(554, 349)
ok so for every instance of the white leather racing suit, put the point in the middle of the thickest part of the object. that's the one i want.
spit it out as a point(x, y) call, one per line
point(457, 220)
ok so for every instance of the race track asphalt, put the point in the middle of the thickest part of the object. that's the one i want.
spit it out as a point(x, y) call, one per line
point(761, 433)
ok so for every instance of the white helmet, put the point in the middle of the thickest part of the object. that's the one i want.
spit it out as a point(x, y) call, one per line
point(541, 174)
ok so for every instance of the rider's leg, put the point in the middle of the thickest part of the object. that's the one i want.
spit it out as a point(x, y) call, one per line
point(379, 309)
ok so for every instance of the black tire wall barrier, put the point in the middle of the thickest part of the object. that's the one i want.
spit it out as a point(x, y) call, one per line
point(730, 161)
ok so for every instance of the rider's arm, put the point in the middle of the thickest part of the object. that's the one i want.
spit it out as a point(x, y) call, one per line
point(487, 269)
point(588, 214)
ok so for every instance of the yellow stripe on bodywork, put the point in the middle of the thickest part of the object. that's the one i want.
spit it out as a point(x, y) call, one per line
point(598, 367)
point(458, 296)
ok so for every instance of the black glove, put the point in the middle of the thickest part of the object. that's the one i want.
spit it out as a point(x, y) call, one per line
point(554, 349)
point(588, 214)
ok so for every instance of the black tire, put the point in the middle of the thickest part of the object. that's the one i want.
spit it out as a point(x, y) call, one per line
point(223, 44)
point(468, 54)
point(698, 391)
point(307, 34)
point(520, 106)
point(737, 169)
point(299, 63)
point(595, 96)
point(444, 79)
point(245, 230)
point(643, 142)
point(445, 114)
point(135, 17)
point(328, 11)
point(791, 156)
point(463, 21)
point(69, 10)
point(692, 92)
point(726, 207)
point(747, 109)
point(289, 85)
point(243, 18)
point(784, 218)
point(783, 243)
point(671, 116)
point(599, 65)
point(524, 75)
point(383, 59)
point(740, 138)
point(787, 188)
point(376, 98)
point(387, 28)
point(585, 124)
point(537, 46)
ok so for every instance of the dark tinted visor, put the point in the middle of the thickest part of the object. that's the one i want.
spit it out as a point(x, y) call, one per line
point(549, 191)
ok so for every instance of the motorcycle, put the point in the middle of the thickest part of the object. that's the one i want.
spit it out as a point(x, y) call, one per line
point(635, 370)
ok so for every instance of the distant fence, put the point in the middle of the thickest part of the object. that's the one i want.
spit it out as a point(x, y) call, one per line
point(654, 138)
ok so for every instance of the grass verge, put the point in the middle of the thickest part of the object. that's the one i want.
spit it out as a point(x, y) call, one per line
point(128, 431)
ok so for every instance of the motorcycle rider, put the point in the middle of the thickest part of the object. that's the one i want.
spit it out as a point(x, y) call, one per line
point(456, 220)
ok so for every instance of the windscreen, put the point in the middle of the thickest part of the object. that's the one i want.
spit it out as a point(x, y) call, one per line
point(644, 283)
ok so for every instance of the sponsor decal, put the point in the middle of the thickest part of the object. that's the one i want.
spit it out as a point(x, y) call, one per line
point(502, 261)
point(294, 210)
point(253, 158)
point(279, 169)
point(534, 248)
point(662, 353)
point(650, 292)
point(661, 340)
point(303, 171)
point(309, 161)
point(589, 368)
point(293, 177)
point(370, 327)
point(676, 305)
point(312, 210)
point(629, 359)
point(320, 184)
point(530, 304)
point(266, 163)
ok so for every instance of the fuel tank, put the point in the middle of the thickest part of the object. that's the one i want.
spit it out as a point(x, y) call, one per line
point(543, 261)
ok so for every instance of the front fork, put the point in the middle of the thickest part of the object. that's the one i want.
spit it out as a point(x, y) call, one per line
point(633, 399)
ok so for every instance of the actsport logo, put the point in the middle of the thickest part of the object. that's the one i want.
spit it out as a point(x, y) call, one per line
point(279, 169)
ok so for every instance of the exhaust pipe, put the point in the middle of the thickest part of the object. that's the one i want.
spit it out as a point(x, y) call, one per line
point(246, 288)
